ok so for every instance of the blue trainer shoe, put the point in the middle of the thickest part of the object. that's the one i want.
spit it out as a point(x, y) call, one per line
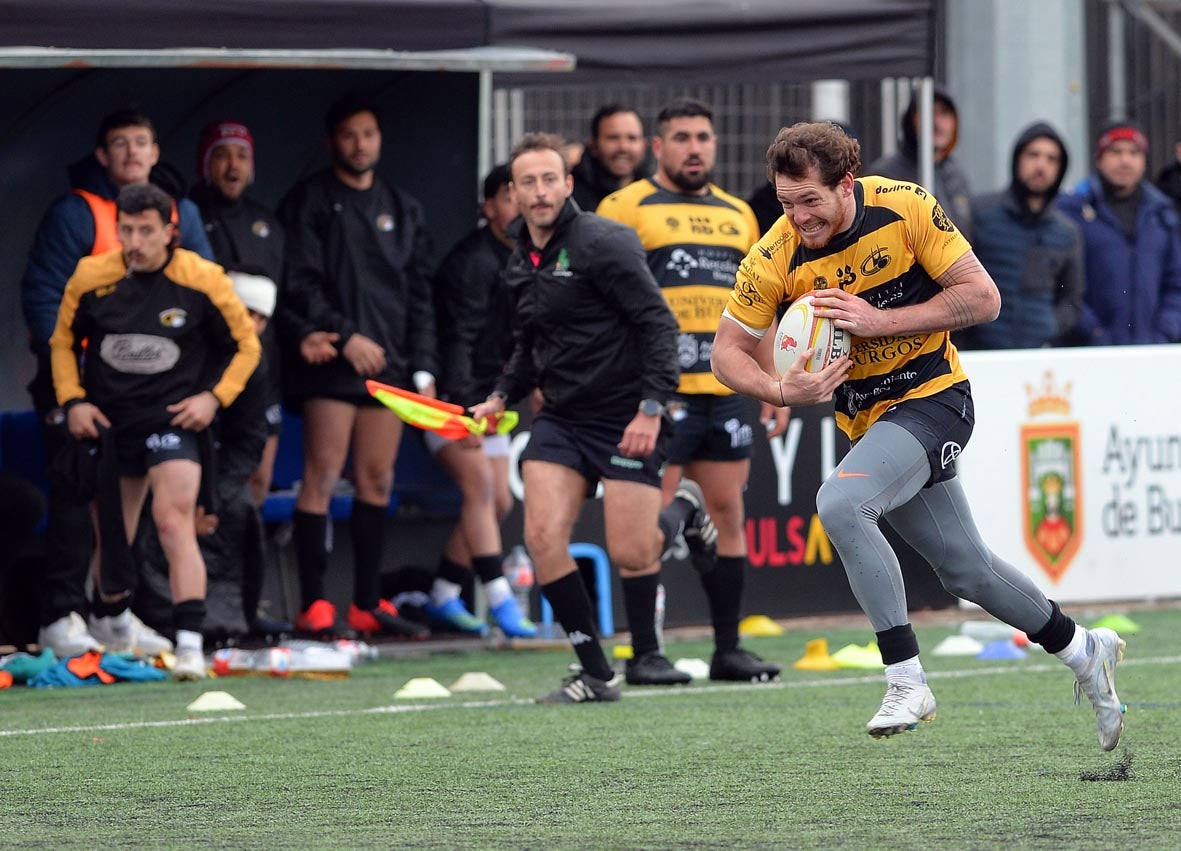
point(510, 620)
point(454, 614)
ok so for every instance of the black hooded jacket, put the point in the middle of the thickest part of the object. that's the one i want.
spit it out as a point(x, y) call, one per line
point(951, 183)
point(1034, 257)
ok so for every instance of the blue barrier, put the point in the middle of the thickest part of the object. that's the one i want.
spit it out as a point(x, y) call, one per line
point(598, 557)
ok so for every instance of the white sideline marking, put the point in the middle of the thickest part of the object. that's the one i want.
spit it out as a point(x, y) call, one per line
point(492, 704)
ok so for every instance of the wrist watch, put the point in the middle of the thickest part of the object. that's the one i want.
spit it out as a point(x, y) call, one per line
point(651, 407)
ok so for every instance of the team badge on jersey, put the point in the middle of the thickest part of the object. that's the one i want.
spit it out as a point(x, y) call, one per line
point(260, 229)
point(384, 222)
point(877, 260)
point(173, 317)
point(941, 220)
point(1050, 466)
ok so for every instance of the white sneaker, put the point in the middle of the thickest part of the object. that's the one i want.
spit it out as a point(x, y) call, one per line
point(903, 707)
point(67, 636)
point(190, 665)
point(125, 633)
point(1098, 683)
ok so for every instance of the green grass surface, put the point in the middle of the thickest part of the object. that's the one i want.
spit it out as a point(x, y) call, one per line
point(346, 765)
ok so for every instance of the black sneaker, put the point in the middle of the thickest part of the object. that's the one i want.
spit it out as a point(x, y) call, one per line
point(653, 669)
point(701, 535)
point(742, 666)
point(583, 688)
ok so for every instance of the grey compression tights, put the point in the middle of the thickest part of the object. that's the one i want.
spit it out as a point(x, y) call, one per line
point(935, 521)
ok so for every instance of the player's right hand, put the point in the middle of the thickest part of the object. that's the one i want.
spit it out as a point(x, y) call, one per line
point(84, 419)
point(800, 387)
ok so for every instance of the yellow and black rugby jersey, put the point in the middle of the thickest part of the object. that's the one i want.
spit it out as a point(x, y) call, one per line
point(899, 243)
point(153, 338)
point(694, 245)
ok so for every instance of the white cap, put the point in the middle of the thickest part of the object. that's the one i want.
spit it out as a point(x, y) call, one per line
point(258, 292)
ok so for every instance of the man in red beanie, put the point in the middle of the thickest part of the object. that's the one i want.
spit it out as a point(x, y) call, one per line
point(1131, 247)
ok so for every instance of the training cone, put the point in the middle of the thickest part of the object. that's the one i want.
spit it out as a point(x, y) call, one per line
point(422, 687)
point(856, 656)
point(1001, 650)
point(958, 645)
point(758, 626)
point(816, 657)
point(216, 701)
point(622, 651)
point(477, 681)
point(1122, 624)
point(698, 669)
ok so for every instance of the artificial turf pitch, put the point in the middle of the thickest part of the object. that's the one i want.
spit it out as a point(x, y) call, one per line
point(343, 764)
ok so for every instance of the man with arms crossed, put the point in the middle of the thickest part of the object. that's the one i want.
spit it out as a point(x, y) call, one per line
point(901, 397)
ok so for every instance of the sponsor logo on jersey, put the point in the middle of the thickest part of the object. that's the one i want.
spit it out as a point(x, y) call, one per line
point(846, 277)
point(174, 317)
point(384, 222)
point(681, 262)
point(260, 229)
point(877, 260)
point(1052, 493)
point(139, 354)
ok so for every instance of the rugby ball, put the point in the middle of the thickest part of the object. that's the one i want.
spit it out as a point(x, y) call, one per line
point(801, 329)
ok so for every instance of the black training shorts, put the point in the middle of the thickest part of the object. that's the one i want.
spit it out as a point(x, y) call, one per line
point(942, 423)
point(591, 448)
point(710, 428)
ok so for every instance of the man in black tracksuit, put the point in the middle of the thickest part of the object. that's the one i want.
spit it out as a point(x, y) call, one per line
point(594, 333)
point(246, 237)
point(358, 303)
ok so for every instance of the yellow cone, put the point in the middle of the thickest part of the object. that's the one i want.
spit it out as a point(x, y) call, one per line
point(816, 657)
point(622, 651)
point(759, 626)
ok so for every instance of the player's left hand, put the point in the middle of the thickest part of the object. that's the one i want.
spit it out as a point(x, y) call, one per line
point(774, 418)
point(639, 438)
point(206, 524)
point(195, 413)
point(850, 312)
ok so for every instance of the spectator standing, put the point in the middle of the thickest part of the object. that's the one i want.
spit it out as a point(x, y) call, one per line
point(1030, 248)
point(1131, 247)
point(157, 320)
point(247, 237)
point(614, 155)
point(594, 334)
point(358, 300)
point(1168, 180)
point(475, 317)
point(951, 183)
point(695, 235)
point(907, 409)
point(79, 224)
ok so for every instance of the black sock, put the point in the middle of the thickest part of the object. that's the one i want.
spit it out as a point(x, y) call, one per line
point(639, 601)
point(368, 527)
point(310, 532)
point(102, 609)
point(1057, 633)
point(189, 615)
point(898, 644)
point(488, 567)
point(572, 609)
point(723, 587)
point(452, 572)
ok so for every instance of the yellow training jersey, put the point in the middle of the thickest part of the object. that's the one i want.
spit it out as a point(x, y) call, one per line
point(899, 243)
point(694, 245)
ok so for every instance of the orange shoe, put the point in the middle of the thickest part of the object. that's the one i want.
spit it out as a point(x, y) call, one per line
point(385, 619)
point(319, 617)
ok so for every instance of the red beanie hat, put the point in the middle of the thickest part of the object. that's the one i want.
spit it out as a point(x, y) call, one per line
point(221, 133)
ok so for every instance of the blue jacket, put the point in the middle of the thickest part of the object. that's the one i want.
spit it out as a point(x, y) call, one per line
point(1035, 257)
point(1133, 293)
point(65, 236)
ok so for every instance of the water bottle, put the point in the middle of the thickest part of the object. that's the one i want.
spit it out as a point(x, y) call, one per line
point(659, 619)
point(518, 570)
